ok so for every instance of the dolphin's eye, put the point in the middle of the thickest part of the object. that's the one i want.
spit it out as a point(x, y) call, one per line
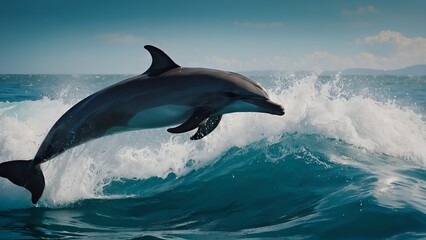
point(231, 94)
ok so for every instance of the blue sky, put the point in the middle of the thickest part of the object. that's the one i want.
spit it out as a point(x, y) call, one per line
point(75, 36)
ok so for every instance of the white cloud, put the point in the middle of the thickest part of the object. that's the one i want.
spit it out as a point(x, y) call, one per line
point(327, 61)
point(395, 38)
point(407, 51)
point(360, 10)
point(233, 64)
point(402, 51)
point(259, 25)
point(120, 38)
point(227, 63)
point(322, 55)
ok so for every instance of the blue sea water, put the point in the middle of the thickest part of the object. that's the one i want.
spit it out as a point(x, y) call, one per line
point(347, 161)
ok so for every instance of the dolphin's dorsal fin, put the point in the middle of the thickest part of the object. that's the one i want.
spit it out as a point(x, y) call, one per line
point(160, 62)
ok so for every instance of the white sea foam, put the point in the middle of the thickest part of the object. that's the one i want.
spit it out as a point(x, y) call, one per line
point(382, 127)
point(82, 172)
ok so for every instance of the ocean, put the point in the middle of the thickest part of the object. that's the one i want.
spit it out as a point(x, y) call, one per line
point(346, 161)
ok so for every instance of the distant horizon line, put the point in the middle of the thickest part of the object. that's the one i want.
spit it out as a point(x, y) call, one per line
point(243, 71)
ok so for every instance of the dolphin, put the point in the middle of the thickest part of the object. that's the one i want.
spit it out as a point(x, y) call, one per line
point(165, 95)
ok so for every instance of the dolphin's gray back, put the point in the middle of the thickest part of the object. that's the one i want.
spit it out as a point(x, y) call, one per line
point(114, 106)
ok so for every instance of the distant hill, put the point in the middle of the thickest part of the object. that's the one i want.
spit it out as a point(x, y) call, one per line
point(416, 70)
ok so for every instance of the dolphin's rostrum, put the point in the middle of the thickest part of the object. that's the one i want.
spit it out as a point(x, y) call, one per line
point(165, 95)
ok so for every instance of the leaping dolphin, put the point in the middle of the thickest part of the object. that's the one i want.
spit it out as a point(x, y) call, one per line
point(165, 95)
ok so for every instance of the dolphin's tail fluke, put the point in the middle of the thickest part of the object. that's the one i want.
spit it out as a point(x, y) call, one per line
point(23, 173)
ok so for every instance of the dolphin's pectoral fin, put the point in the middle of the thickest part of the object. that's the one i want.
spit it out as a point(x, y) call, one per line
point(207, 127)
point(198, 116)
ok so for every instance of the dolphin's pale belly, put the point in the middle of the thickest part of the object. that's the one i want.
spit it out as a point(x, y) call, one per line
point(167, 115)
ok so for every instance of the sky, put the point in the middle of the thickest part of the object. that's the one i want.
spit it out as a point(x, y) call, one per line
point(107, 36)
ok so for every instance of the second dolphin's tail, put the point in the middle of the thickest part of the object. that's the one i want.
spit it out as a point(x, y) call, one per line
point(23, 173)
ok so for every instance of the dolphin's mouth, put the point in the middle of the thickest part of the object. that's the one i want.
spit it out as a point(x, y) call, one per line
point(267, 106)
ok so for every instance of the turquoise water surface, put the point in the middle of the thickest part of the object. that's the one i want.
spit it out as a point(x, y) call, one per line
point(346, 161)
